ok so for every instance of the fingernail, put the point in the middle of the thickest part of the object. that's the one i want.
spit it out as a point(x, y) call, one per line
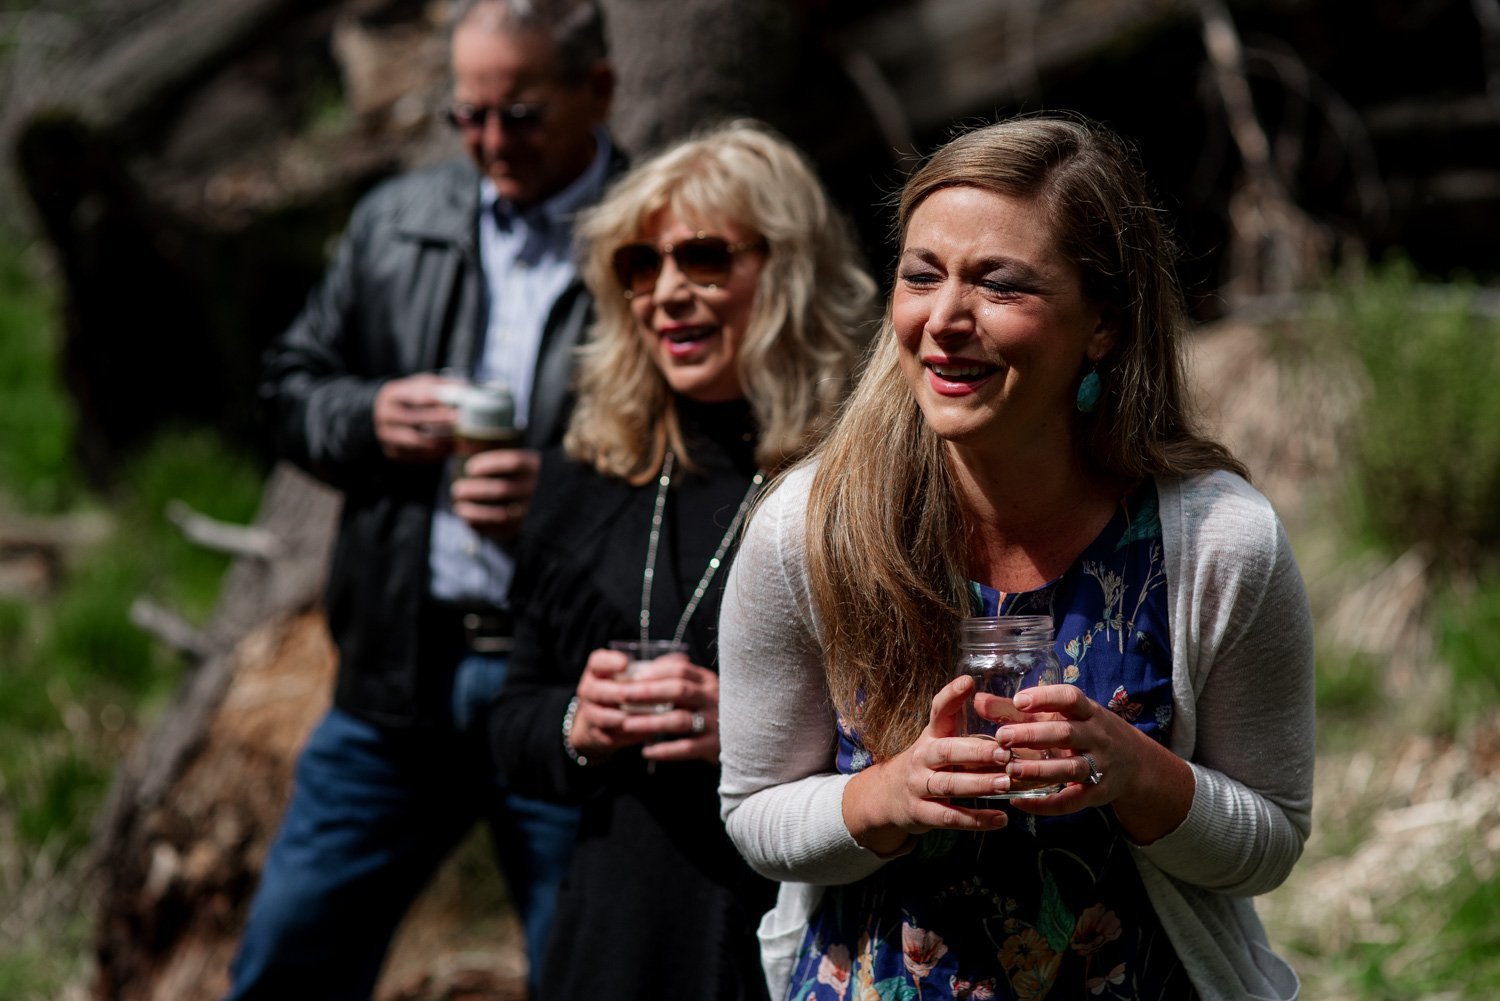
point(1014, 768)
point(1023, 701)
point(1002, 783)
point(1001, 756)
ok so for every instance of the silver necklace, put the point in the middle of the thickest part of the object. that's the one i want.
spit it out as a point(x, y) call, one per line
point(649, 574)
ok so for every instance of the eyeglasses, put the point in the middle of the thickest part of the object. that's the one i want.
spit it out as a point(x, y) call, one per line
point(703, 260)
point(513, 117)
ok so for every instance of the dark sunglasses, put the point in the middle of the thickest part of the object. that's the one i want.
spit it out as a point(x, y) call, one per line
point(513, 117)
point(703, 260)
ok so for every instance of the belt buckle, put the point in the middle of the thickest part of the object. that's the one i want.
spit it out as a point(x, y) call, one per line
point(483, 633)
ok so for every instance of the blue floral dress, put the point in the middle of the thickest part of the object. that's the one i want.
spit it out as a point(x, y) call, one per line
point(1046, 906)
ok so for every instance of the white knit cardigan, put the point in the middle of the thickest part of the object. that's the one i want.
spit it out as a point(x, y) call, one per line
point(1242, 680)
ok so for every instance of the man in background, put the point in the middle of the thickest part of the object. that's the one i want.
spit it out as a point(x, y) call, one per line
point(466, 267)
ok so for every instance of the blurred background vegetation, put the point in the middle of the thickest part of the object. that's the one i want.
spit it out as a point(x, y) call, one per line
point(77, 678)
point(1365, 402)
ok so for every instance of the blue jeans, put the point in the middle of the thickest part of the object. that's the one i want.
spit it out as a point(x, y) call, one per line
point(373, 813)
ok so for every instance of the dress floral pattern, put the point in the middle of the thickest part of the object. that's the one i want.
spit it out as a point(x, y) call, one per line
point(1046, 906)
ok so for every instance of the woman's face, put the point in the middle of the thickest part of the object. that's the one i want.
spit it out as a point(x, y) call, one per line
point(991, 321)
point(692, 331)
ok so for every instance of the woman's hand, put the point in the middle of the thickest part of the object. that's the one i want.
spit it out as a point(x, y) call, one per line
point(601, 726)
point(1149, 787)
point(690, 729)
point(598, 725)
point(893, 800)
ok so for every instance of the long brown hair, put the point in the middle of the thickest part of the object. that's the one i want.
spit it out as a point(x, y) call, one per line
point(885, 532)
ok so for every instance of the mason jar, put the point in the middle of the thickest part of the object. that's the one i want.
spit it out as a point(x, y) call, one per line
point(1004, 654)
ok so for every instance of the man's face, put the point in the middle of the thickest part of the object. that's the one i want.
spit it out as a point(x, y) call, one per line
point(532, 156)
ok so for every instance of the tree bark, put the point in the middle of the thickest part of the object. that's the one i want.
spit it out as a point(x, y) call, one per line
point(177, 845)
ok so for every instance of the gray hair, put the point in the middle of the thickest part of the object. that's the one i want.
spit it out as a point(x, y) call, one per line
point(576, 28)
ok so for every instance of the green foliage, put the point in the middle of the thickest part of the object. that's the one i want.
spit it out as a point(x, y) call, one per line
point(1468, 636)
point(1444, 942)
point(76, 676)
point(80, 660)
point(36, 422)
point(1426, 463)
point(191, 466)
point(1348, 685)
point(38, 969)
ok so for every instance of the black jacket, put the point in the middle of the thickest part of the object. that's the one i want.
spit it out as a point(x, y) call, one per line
point(658, 903)
point(405, 294)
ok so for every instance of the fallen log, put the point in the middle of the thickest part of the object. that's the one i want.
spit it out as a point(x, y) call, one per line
point(173, 855)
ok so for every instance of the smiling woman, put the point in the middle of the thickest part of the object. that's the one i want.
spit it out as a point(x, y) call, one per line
point(721, 272)
point(693, 317)
point(1019, 447)
point(729, 307)
point(992, 323)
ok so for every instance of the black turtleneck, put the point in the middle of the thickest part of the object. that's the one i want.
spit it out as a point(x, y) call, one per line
point(656, 884)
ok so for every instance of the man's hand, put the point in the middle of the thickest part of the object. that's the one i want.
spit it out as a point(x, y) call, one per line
point(412, 423)
point(492, 490)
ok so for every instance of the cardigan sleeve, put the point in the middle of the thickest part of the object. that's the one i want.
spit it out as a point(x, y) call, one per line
point(782, 799)
point(1243, 673)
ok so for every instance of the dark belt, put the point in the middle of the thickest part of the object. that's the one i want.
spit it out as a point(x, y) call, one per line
point(480, 629)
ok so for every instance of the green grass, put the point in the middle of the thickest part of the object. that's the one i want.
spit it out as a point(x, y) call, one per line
point(1444, 943)
point(36, 969)
point(1426, 464)
point(1348, 686)
point(77, 663)
point(1468, 637)
point(77, 680)
point(36, 421)
point(1423, 471)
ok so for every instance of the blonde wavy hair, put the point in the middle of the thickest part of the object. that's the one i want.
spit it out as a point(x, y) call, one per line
point(885, 533)
point(807, 324)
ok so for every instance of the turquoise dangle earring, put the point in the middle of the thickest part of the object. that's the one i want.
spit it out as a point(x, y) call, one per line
point(1089, 391)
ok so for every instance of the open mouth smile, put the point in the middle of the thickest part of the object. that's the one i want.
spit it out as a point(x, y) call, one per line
point(685, 341)
point(957, 376)
point(966, 373)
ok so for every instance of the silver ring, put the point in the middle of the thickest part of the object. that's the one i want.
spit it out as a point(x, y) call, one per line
point(1095, 775)
point(699, 723)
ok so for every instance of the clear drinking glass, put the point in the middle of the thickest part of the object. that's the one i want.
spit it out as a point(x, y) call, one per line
point(1004, 654)
point(641, 653)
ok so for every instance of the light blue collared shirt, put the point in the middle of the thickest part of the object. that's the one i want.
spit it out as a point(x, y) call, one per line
point(528, 263)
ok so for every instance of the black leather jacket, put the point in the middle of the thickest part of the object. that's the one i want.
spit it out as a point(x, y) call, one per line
point(405, 294)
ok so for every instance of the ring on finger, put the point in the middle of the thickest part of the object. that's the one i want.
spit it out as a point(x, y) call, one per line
point(699, 723)
point(1095, 776)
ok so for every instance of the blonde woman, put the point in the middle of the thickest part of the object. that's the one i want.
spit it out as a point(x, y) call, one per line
point(1021, 444)
point(729, 307)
